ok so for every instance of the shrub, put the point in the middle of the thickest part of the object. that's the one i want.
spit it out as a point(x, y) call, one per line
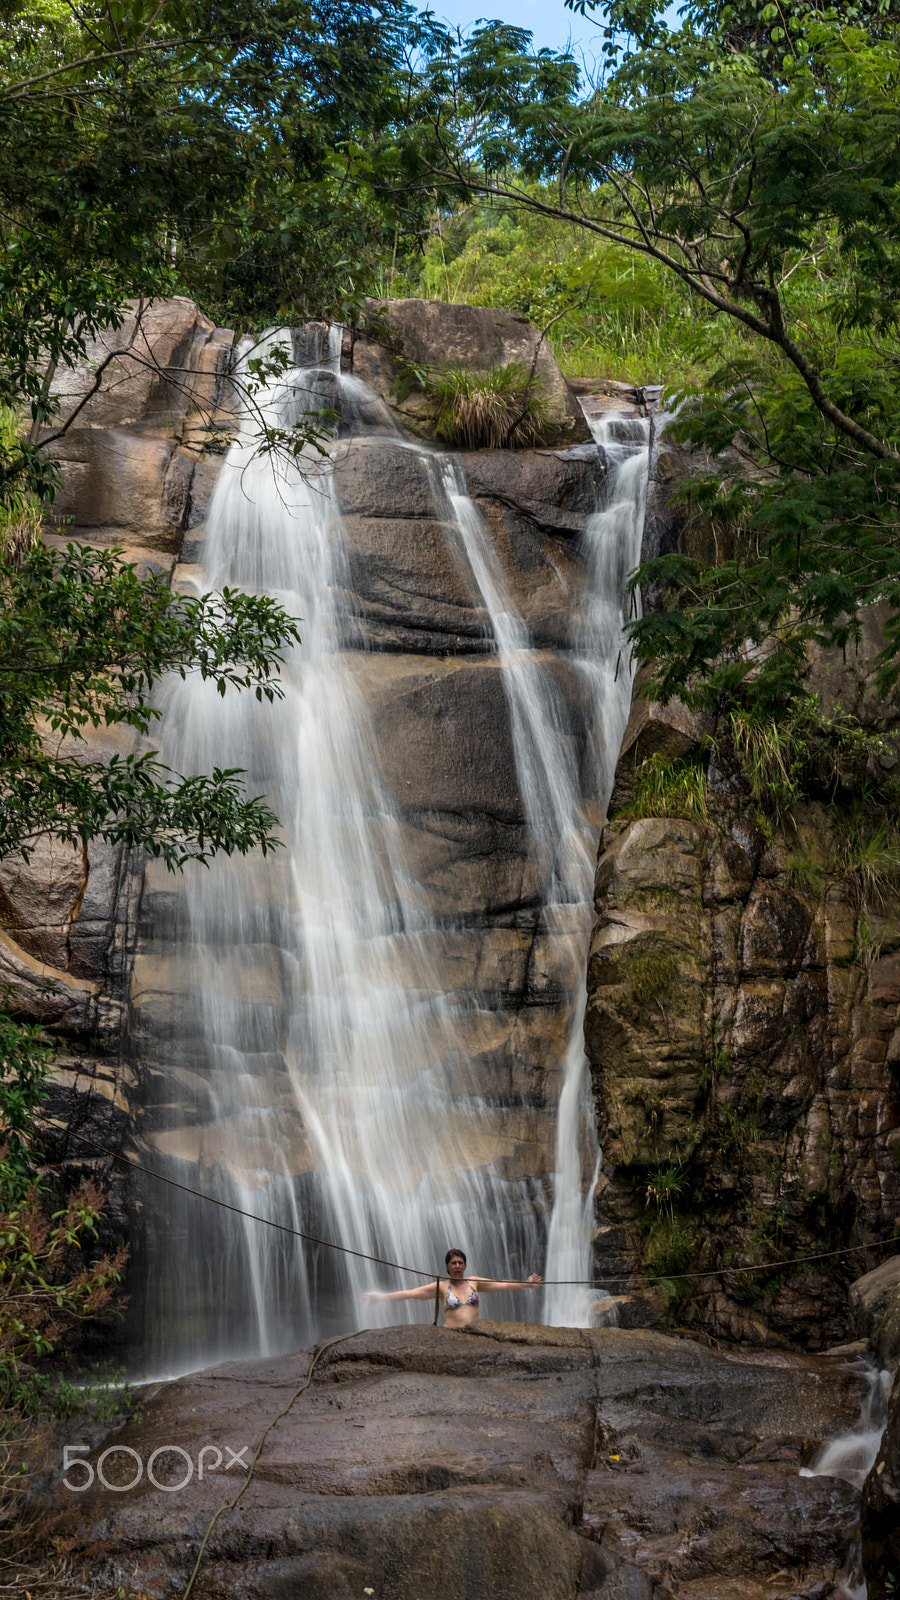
point(20, 511)
point(802, 751)
point(669, 788)
point(652, 974)
point(45, 1293)
point(807, 875)
point(668, 1251)
point(867, 850)
point(42, 1292)
point(665, 1186)
point(500, 408)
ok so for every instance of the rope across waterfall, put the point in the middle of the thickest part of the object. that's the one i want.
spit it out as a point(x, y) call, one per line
point(422, 1272)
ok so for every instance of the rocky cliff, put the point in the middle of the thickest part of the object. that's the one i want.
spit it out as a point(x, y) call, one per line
point(742, 1026)
point(434, 700)
point(86, 935)
point(743, 993)
point(140, 408)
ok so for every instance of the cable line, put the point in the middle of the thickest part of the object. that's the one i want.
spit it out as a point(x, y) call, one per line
point(381, 1261)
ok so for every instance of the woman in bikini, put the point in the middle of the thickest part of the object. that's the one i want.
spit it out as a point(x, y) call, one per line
point(459, 1294)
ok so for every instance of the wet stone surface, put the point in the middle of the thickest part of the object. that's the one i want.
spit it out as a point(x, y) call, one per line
point(513, 1460)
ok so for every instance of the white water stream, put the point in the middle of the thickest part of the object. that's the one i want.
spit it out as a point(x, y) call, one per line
point(342, 1100)
point(851, 1456)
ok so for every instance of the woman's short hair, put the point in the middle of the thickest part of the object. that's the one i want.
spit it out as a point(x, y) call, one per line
point(451, 1253)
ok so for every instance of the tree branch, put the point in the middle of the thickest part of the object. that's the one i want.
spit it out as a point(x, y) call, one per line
point(773, 329)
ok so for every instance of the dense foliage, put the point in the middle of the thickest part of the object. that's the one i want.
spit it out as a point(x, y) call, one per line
point(200, 146)
point(754, 165)
point(83, 641)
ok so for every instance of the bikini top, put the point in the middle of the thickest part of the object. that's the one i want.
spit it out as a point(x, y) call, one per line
point(453, 1300)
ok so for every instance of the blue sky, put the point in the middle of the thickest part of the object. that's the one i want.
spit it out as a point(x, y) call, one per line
point(548, 20)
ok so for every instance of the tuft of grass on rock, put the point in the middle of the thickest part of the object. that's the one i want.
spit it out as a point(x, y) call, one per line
point(500, 408)
point(665, 787)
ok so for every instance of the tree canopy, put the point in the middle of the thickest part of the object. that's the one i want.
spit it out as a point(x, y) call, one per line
point(758, 168)
point(204, 147)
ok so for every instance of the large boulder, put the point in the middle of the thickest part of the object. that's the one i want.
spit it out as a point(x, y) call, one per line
point(875, 1306)
point(121, 486)
point(408, 581)
point(162, 362)
point(136, 414)
point(533, 1461)
point(407, 334)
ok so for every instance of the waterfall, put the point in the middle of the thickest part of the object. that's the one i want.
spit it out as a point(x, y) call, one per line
point(314, 1035)
point(552, 786)
point(851, 1456)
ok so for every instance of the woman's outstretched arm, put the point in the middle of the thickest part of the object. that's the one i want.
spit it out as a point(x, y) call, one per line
point(492, 1285)
point(424, 1292)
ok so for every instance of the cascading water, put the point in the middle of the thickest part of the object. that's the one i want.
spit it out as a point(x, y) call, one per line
point(340, 1101)
point(851, 1456)
point(553, 781)
point(613, 551)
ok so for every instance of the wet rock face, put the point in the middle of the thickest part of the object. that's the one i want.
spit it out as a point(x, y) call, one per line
point(510, 1460)
point(408, 582)
point(875, 1308)
point(417, 642)
point(740, 1026)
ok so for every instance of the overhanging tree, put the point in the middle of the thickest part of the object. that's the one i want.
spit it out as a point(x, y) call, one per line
point(191, 146)
point(769, 186)
point(83, 642)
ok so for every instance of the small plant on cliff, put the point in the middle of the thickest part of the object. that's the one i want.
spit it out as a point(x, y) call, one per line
point(800, 752)
point(666, 787)
point(652, 975)
point(716, 1061)
point(500, 408)
point(867, 851)
point(806, 874)
point(738, 1130)
point(665, 1187)
point(868, 947)
point(668, 1250)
